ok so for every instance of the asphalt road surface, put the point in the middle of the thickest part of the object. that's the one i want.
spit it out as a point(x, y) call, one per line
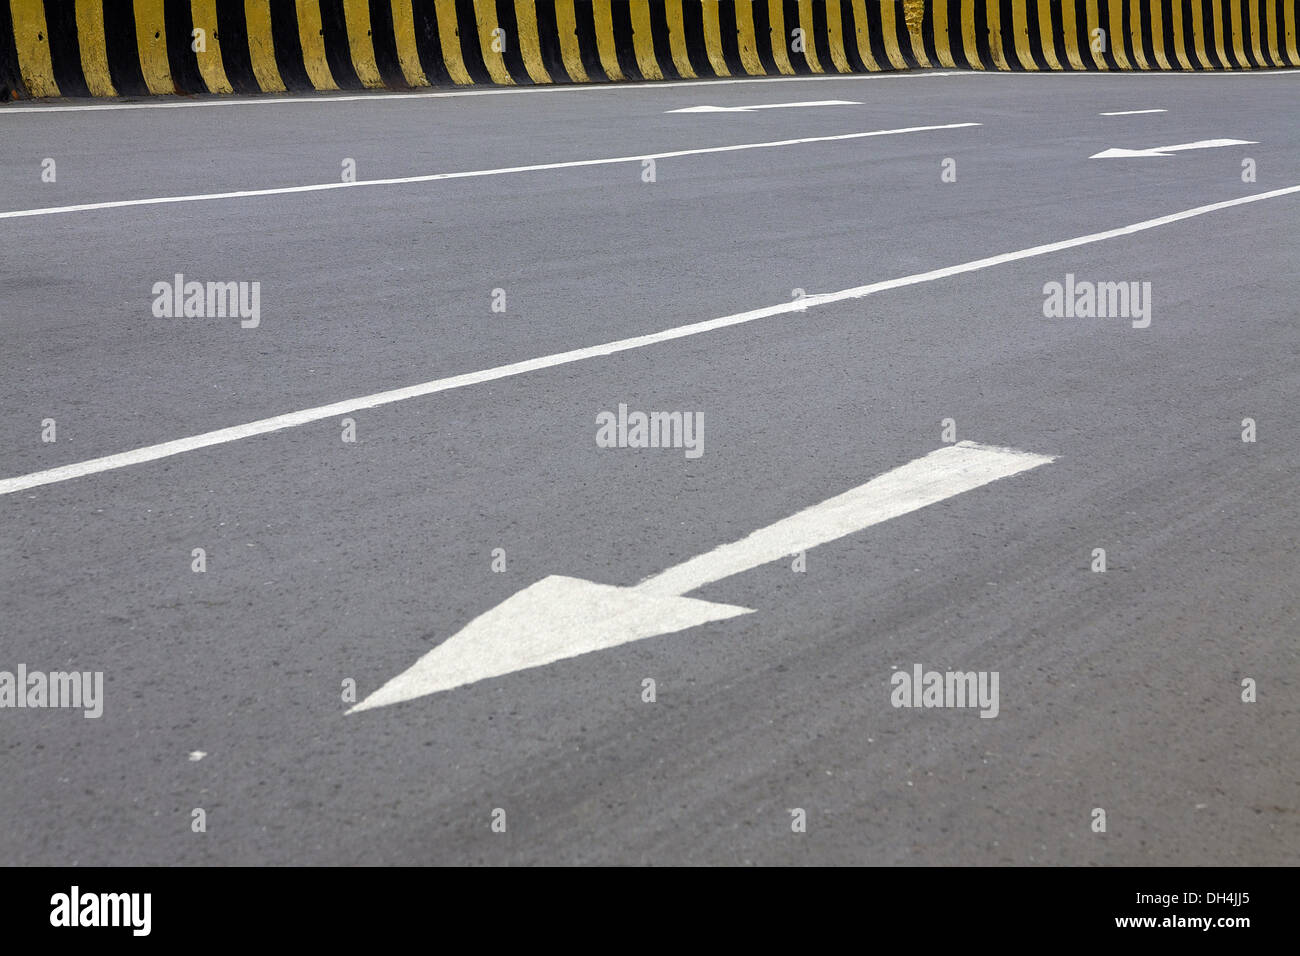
point(329, 564)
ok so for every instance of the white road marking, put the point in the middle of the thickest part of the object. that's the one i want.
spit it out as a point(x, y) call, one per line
point(468, 174)
point(197, 755)
point(1132, 112)
point(311, 99)
point(763, 106)
point(561, 617)
point(1167, 150)
point(303, 417)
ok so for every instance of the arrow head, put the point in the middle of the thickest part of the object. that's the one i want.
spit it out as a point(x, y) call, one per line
point(1127, 153)
point(556, 618)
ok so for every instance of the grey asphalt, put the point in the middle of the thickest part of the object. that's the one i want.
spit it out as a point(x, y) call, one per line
point(330, 561)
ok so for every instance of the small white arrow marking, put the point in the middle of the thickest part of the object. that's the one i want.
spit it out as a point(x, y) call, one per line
point(764, 106)
point(561, 617)
point(1166, 150)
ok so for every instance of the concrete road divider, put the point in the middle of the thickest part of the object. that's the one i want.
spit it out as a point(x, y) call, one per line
point(53, 48)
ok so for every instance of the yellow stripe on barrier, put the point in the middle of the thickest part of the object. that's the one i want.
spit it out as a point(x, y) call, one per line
point(356, 16)
point(1070, 29)
point(261, 45)
point(1254, 33)
point(747, 40)
point(776, 20)
point(408, 54)
point(1199, 52)
point(913, 18)
point(1274, 48)
point(485, 15)
point(605, 46)
point(861, 29)
point(94, 51)
point(311, 35)
point(996, 52)
point(1135, 34)
point(713, 38)
point(809, 44)
point(968, 34)
point(32, 40)
point(942, 42)
point(530, 44)
point(1238, 36)
point(1291, 50)
point(889, 27)
point(1115, 37)
point(1180, 38)
point(203, 16)
point(677, 38)
point(1158, 35)
point(1020, 30)
point(643, 43)
point(1092, 23)
point(151, 41)
point(566, 22)
point(1046, 31)
point(835, 37)
point(1220, 33)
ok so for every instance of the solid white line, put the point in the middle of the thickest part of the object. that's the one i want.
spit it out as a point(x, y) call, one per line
point(1132, 112)
point(925, 481)
point(265, 425)
point(17, 109)
point(466, 174)
point(762, 106)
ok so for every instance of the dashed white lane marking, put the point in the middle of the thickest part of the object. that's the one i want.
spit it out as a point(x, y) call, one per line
point(560, 617)
point(1132, 112)
point(762, 106)
point(265, 425)
point(470, 173)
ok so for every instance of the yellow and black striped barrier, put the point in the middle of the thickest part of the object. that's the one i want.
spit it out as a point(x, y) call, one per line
point(54, 48)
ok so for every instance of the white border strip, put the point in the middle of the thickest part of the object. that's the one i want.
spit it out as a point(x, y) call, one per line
point(278, 422)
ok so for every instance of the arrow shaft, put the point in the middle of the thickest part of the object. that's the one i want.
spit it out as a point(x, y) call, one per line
point(939, 475)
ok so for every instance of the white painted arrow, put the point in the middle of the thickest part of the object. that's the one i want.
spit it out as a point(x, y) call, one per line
point(1167, 150)
point(561, 617)
point(764, 106)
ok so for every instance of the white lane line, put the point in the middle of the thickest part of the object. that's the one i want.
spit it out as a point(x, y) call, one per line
point(310, 99)
point(265, 425)
point(1132, 112)
point(561, 617)
point(762, 106)
point(467, 174)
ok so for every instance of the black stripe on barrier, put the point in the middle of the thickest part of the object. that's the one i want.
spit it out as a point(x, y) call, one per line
point(1108, 51)
point(1035, 41)
point(12, 86)
point(790, 16)
point(875, 34)
point(123, 53)
point(338, 51)
point(693, 31)
point(927, 36)
point(1256, 35)
point(232, 33)
point(428, 45)
point(65, 51)
point(548, 38)
point(762, 38)
point(584, 15)
point(621, 15)
point(288, 47)
point(983, 49)
point(471, 52)
point(820, 41)
point(849, 31)
point(662, 42)
point(182, 60)
point(384, 41)
point(512, 54)
point(1207, 25)
point(1283, 50)
point(1167, 37)
point(729, 39)
point(956, 40)
point(1117, 34)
